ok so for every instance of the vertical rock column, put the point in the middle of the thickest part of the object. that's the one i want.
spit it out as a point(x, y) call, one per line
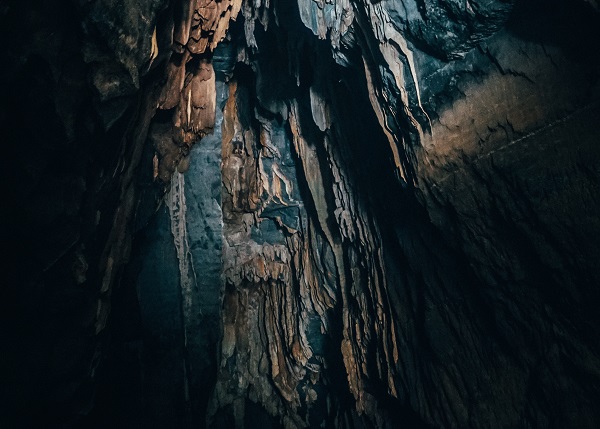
point(185, 123)
point(204, 227)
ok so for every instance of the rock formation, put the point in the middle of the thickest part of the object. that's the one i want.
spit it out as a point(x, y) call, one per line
point(339, 214)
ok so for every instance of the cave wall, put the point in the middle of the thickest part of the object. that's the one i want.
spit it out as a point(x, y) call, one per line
point(85, 120)
point(404, 230)
point(462, 280)
point(77, 100)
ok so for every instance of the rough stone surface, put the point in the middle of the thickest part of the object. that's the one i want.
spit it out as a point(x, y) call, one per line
point(341, 214)
point(77, 100)
point(457, 288)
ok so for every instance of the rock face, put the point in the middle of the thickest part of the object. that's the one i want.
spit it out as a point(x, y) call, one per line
point(77, 100)
point(376, 214)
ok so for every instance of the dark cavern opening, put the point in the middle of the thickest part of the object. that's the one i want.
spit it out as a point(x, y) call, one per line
point(345, 214)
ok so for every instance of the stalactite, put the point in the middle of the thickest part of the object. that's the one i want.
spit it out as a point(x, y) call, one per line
point(187, 274)
point(177, 212)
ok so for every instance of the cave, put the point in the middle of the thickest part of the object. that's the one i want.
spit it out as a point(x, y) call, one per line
point(344, 214)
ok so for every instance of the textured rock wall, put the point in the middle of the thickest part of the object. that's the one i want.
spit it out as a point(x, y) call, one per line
point(78, 94)
point(84, 165)
point(442, 158)
point(404, 230)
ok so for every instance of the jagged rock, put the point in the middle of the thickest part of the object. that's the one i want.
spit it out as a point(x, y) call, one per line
point(380, 213)
point(427, 345)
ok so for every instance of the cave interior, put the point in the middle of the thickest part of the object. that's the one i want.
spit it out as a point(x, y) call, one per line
point(344, 214)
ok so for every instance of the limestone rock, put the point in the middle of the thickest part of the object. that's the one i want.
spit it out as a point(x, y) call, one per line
point(379, 214)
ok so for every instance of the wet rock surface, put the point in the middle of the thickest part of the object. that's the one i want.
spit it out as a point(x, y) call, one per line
point(343, 214)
